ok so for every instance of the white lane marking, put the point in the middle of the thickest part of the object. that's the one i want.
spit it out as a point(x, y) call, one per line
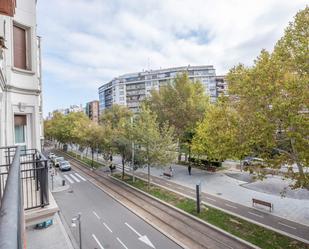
point(107, 227)
point(180, 188)
point(138, 234)
point(98, 242)
point(96, 215)
point(210, 198)
point(168, 184)
point(68, 178)
point(286, 225)
point(80, 176)
point(230, 205)
point(122, 243)
point(75, 178)
point(261, 216)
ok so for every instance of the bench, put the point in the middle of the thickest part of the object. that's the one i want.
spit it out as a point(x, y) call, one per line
point(167, 174)
point(211, 168)
point(264, 203)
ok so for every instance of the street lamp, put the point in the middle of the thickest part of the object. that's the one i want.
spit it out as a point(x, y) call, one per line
point(73, 224)
point(132, 163)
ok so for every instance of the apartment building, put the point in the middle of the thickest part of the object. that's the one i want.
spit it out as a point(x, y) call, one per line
point(221, 85)
point(92, 110)
point(130, 89)
point(25, 199)
point(20, 75)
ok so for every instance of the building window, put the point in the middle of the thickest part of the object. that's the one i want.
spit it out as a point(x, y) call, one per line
point(21, 47)
point(20, 122)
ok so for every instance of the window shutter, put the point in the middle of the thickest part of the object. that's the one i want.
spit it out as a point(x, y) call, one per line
point(19, 37)
point(20, 120)
point(7, 7)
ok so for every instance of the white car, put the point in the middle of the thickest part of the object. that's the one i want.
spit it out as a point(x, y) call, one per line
point(57, 160)
point(51, 155)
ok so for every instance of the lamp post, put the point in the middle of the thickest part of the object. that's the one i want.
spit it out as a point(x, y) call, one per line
point(132, 154)
point(74, 220)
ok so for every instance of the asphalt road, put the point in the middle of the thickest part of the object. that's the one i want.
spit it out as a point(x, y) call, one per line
point(105, 222)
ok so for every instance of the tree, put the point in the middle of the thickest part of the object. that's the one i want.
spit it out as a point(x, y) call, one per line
point(156, 143)
point(117, 120)
point(93, 136)
point(267, 112)
point(182, 104)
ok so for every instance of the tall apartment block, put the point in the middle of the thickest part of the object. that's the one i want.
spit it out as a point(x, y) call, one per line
point(92, 110)
point(131, 89)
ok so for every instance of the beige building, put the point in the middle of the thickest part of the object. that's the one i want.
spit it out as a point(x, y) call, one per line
point(92, 110)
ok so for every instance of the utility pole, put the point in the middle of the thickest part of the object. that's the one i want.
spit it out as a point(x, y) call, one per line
point(132, 163)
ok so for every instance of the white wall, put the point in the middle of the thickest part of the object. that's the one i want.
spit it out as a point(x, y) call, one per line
point(22, 94)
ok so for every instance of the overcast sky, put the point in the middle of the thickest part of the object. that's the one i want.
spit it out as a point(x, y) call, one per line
point(87, 43)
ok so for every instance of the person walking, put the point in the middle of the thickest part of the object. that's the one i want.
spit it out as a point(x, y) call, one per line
point(189, 169)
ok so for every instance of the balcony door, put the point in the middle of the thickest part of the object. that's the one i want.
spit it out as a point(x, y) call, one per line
point(20, 130)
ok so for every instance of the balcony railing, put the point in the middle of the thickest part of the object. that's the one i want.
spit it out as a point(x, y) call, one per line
point(23, 185)
point(11, 213)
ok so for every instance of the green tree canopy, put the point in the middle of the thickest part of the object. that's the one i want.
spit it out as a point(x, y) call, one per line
point(182, 104)
point(268, 109)
point(156, 142)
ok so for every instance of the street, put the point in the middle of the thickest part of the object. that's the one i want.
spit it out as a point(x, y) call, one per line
point(105, 222)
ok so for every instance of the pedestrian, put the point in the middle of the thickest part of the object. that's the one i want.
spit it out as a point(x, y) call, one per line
point(189, 169)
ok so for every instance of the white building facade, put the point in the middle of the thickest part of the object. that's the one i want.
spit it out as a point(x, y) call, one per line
point(21, 120)
point(130, 89)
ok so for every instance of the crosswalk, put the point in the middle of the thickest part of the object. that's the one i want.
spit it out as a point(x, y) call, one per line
point(74, 178)
point(126, 168)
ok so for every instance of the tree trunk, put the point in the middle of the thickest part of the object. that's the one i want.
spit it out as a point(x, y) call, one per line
point(148, 176)
point(179, 152)
point(123, 162)
point(92, 154)
point(302, 177)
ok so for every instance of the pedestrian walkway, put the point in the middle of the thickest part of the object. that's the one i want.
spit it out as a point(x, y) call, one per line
point(220, 185)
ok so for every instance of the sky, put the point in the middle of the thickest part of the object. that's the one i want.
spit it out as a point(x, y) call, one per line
point(86, 43)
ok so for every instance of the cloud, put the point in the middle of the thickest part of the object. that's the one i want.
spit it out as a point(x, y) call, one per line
point(89, 42)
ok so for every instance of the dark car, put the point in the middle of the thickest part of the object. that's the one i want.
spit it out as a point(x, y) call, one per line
point(64, 166)
point(253, 161)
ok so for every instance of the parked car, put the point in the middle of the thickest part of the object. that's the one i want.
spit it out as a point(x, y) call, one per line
point(51, 155)
point(250, 161)
point(64, 165)
point(57, 160)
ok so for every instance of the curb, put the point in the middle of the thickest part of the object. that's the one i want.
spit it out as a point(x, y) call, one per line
point(189, 215)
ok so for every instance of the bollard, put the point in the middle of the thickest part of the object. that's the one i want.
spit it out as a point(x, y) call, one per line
point(198, 202)
point(63, 182)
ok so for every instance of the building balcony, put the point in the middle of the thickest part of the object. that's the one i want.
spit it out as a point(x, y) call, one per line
point(25, 198)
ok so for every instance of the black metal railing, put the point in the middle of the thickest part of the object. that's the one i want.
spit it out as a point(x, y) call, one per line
point(11, 209)
point(33, 175)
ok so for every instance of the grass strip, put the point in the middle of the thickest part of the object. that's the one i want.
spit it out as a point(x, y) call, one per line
point(257, 235)
point(85, 160)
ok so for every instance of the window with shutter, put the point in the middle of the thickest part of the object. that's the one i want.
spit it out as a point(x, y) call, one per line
point(20, 47)
point(7, 7)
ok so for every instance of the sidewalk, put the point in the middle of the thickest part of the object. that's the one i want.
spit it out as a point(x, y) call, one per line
point(54, 236)
point(234, 190)
point(51, 237)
